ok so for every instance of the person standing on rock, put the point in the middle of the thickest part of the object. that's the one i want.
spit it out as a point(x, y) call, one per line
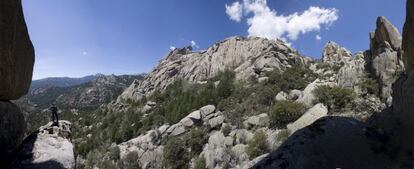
point(55, 118)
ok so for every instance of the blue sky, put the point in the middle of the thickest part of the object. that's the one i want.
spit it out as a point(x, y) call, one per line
point(81, 37)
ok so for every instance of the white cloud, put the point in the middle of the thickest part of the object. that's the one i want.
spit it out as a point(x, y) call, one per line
point(84, 53)
point(172, 47)
point(265, 22)
point(318, 37)
point(194, 44)
point(235, 11)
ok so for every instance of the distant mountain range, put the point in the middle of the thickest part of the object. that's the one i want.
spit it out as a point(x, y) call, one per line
point(61, 81)
point(65, 81)
point(82, 92)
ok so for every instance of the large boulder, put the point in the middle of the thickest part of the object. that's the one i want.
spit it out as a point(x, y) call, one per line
point(147, 147)
point(49, 147)
point(308, 96)
point(214, 150)
point(385, 33)
point(12, 128)
point(16, 51)
point(331, 142)
point(316, 112)
point(261, 120)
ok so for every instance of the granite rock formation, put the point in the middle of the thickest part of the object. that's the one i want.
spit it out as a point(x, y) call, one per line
point(16, 67)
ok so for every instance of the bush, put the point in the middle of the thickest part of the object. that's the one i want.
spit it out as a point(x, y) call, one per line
point(114, 153)
point(200, 163)
point(196, 140)
point(180, 98)
point(226, 129)
point(369, 85)
point(258, 145)
point(335, 98)
point(174, 154)
point(266, 95)
point(285, 112)
point(296, 77)
point(283, 135)
point(130, 161)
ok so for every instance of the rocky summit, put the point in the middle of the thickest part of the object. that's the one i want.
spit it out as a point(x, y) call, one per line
point(244, 102)
point(247, 57)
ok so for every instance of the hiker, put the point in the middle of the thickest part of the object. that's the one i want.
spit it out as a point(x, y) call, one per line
point(55, 118)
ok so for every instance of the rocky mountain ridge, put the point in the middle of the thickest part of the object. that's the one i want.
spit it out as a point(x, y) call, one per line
point(247, 57)
point(60, 81)
point(102, 89)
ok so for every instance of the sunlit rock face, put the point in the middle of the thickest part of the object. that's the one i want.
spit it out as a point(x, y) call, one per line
point(48, 147)
point(335, 54)
point(386, 56)
point(247, 57)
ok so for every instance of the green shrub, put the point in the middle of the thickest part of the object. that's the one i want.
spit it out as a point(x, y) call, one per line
point(258, 145)
point(335, 98)
point(296, 77)
point(226, 129)
point(175, 154)
point(285, 112)
point(180, 98)
point(196, 140)
point(114, 153)
point(369, 85)
point(266, 95)
point(200, 163)
point(130, 161)
point(283, 135)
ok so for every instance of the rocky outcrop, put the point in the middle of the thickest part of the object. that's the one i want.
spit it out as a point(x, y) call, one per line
point(331, 142)
point(385, 61)
point(49, 147)
point(350, 74)
point(246, 56)
point(214, 151)
point(334, 54)
point(148, 148)
point(16, 67)
point(89, 95)
point(385, 35)
point(16, 51)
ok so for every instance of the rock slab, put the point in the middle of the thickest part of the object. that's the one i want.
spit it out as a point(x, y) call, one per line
point(49, 147)
point(316, 112)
